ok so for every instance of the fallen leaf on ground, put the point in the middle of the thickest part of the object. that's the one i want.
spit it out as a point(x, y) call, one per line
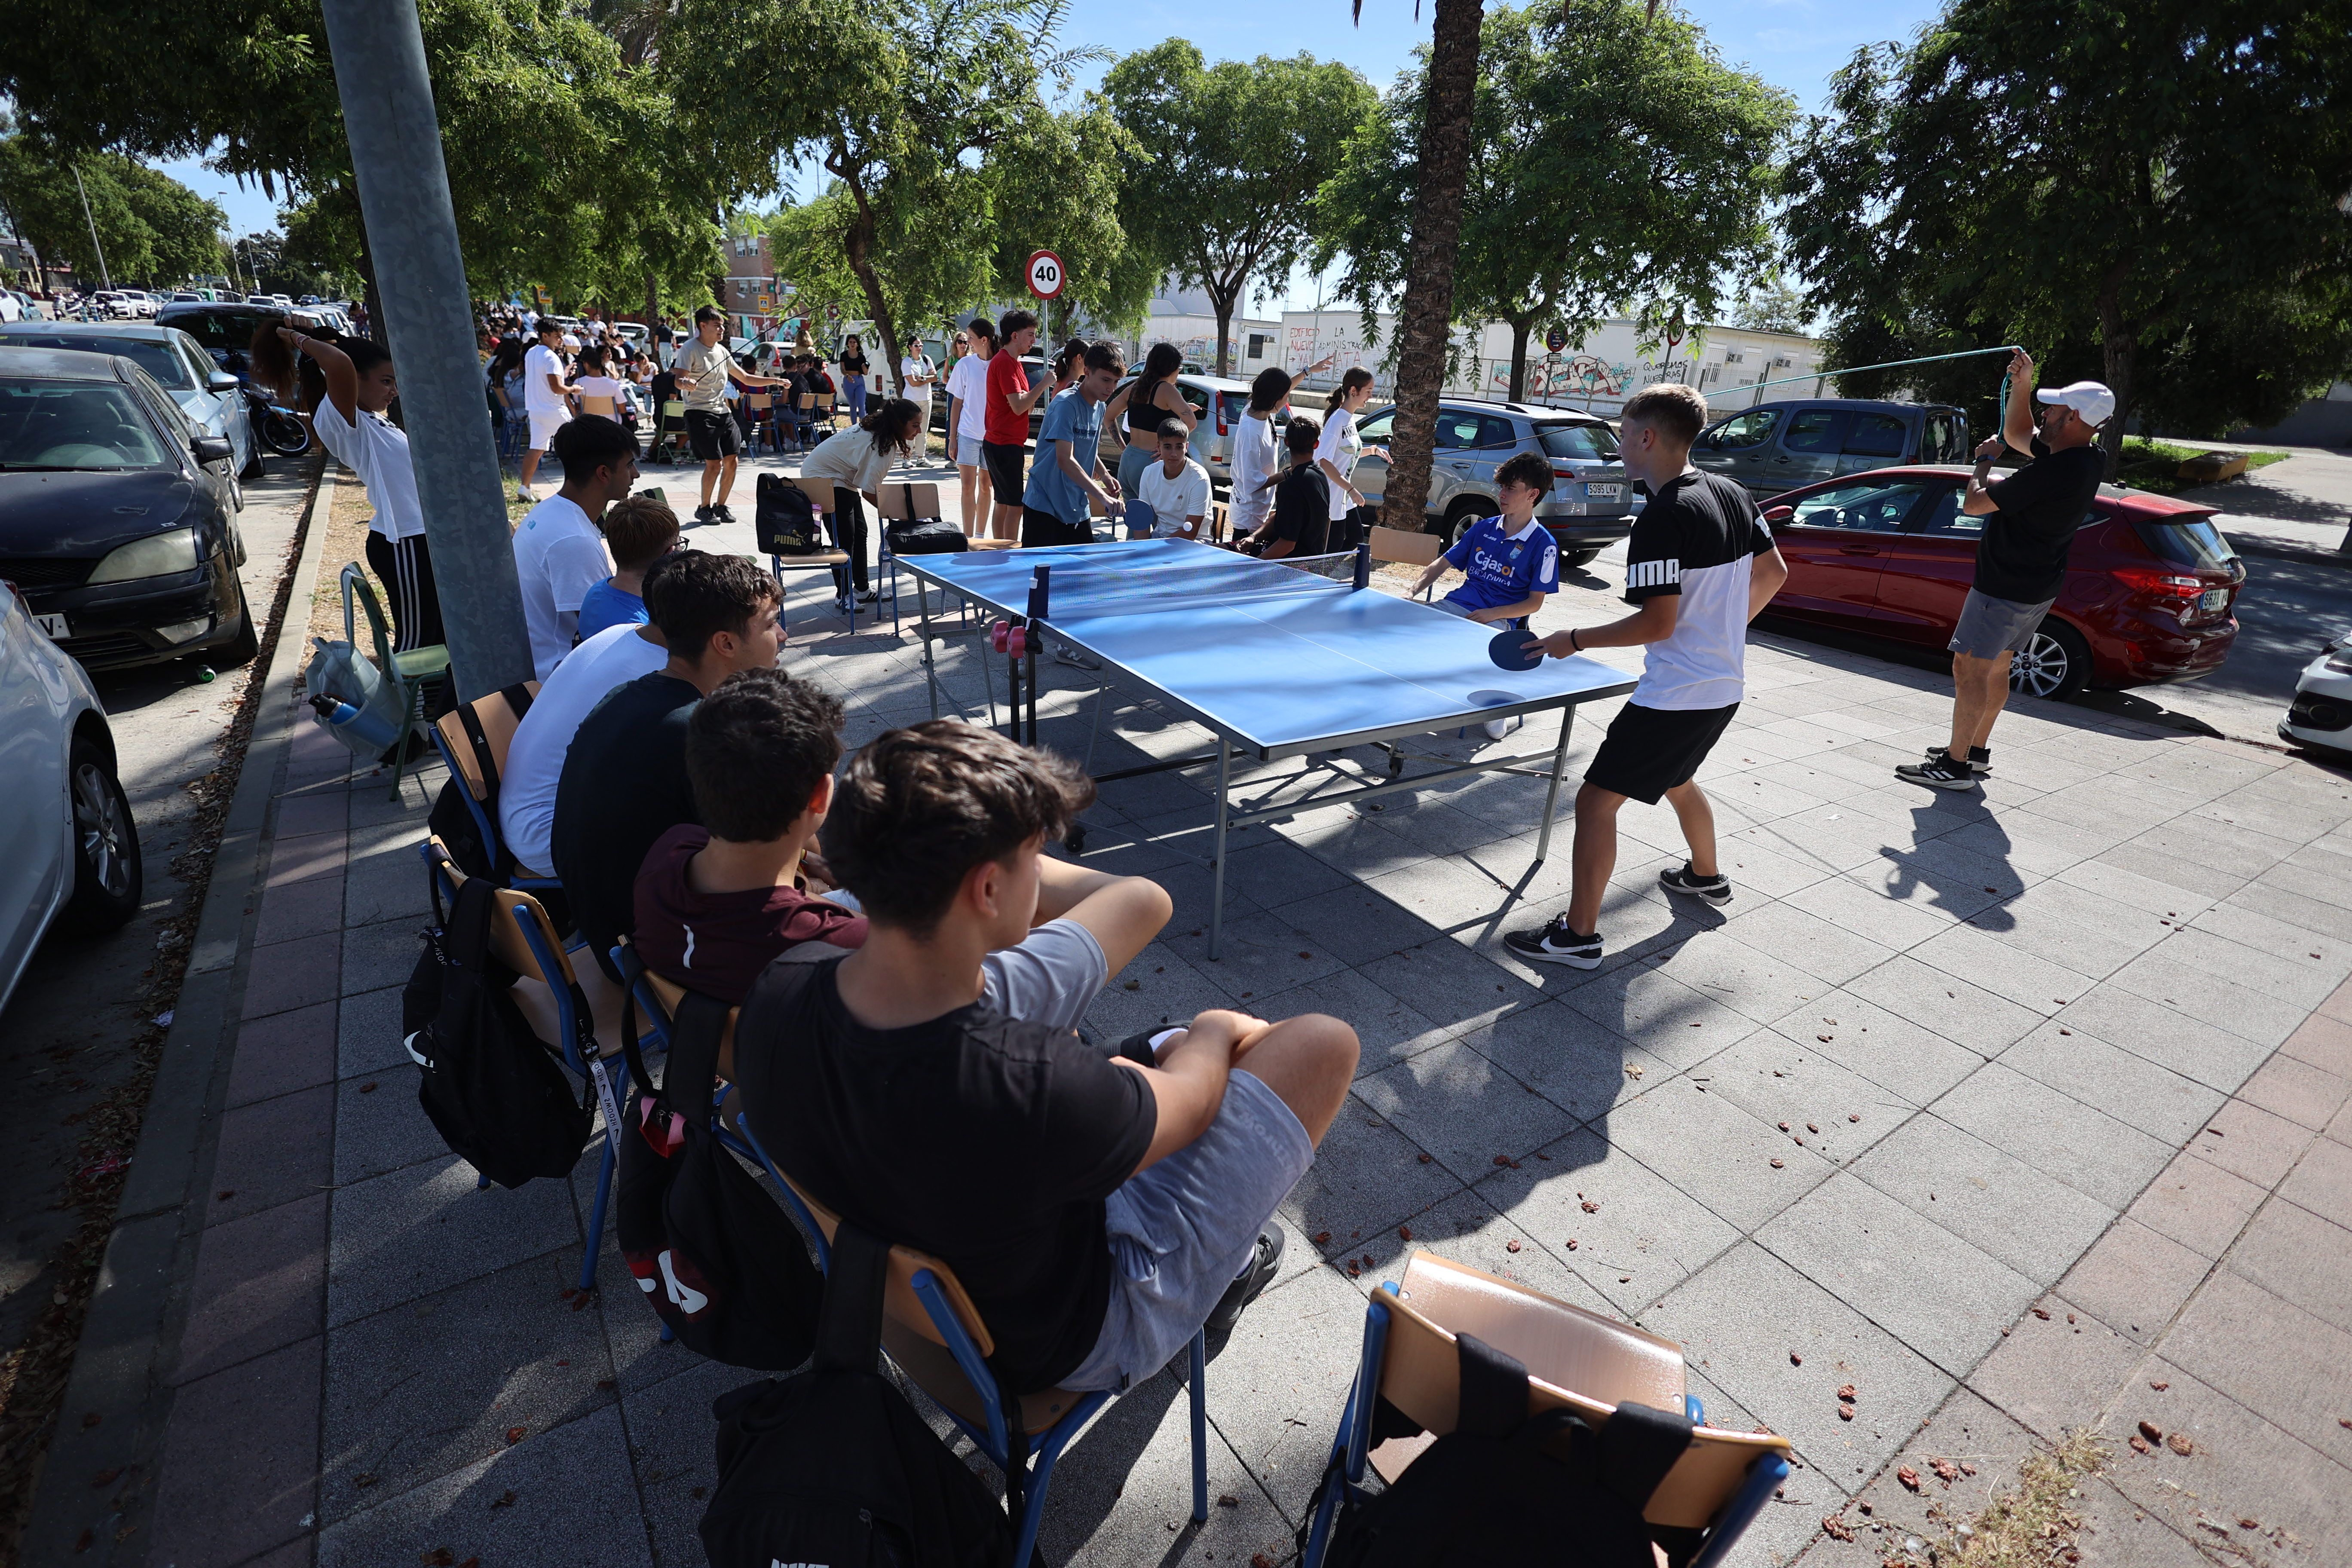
point(1321, 1237)
point(1779, 1165)
point(1404, 1233)
point(1571, 1247)
point(2041, 1314)
point(1945, 1471)
point(1633, 1069)
point(515, 1434)
point(1909, 1477)
point(367, 1089)
point(606, 1384)
point(439, 1557)
point(364, 1480)
point(505, 1500)
point(104, 1477)
point(1845, 1412)
point(1260, 1560)
point(2151, 1431)
point(1227, 1500)
point(1784, 1127)
point(1847, 1393)
point(2139, 1444)
point(2253, 1523)
point(1589, 1206)
point(1812, 1127)
point(1854, 1115)
point(1424, 1159)
point(1510, 1247)
point(1836, 1528)
point(2180, 1443)
point(1131, 985)
point(2160, 1387)
point(1796, 1360)
point(700, 1492)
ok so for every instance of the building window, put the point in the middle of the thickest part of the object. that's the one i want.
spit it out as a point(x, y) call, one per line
point(1257, 342)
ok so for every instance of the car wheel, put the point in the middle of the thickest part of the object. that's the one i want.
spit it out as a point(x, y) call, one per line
point(1578, 557)
point(2055, 663)
point(242, 649)
point(108, 878)
point(253, 469)
point(1458, 520)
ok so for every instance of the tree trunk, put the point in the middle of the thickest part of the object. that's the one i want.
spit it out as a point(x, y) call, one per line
point(2120, 343)
point(857, 248)
point(653, 304)
point(1428, 309)
point(1519, 325)
point(1223, 300)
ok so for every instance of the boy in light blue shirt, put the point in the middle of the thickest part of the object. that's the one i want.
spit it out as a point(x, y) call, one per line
point(639, 532)
point(1068, 477)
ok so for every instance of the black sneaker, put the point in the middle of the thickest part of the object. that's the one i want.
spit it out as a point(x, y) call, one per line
point(722, 514)
point(1980, 759)
point(1715, 890)
point(1248, 1285)
point(1556, 944)
point(1939, 772)
point(702, 514)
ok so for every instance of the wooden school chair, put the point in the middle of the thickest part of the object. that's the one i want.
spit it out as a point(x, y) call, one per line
point(836, 560)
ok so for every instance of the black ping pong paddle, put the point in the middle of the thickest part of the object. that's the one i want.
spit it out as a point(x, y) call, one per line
point(1507, 650)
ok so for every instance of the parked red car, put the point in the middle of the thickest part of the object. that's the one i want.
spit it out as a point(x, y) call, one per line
point(2148, 590)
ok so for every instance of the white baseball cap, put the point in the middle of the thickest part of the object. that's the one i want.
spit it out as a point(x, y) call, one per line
point(2090, 399)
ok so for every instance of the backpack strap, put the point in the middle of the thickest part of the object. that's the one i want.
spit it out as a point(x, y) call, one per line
point(1636, 1448)
point(1494, 1402)
point(849, 1323)
point(693, 1070)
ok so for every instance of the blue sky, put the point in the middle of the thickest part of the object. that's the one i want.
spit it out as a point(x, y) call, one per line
point(1794, 44)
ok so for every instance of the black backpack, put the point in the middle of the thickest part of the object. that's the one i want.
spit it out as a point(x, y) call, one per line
point(834, 1465)
point(452, 818)
point(497, 1095)
point(1487, 1492)
point(785, 518)
point(725, 1267)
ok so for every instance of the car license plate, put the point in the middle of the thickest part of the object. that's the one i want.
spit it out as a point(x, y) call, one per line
point(2215, 601)
point(53, 626)
point(1604, 492)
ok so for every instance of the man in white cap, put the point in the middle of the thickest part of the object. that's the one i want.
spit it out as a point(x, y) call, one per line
point(2030, 521)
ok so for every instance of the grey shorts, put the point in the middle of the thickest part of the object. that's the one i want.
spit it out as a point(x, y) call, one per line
point(1182, 1230)
point(968, 453)
point(1990, 628)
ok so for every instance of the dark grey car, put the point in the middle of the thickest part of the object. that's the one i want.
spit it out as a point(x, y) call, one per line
point(1777, 446)
point(1590, 506)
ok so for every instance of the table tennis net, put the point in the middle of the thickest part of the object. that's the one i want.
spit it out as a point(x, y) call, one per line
point(1080, 587)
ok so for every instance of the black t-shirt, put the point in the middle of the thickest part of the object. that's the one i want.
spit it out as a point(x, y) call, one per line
point(2022, 556)
point(1302, 512)
point(623, 785)
point(986, 1140)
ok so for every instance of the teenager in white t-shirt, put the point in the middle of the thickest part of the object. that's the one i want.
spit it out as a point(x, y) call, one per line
point(350, 423)
point(545, 399)
point(1337, 452)
point(559, 551)
point(916, 376)
point(1175, 487)
point(614, 657)
point(967, 423)
point(1257, 460)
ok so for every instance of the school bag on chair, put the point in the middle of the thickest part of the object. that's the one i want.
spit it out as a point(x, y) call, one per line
point(834, 1465)
point(1490, 1491)
point(716, 1256)
point(785, 518)
point(911, 535)
point(493, 1090)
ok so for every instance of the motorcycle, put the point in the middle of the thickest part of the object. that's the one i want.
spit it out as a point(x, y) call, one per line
point(276, 426)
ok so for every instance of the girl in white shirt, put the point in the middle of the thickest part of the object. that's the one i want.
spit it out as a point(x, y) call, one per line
point(1257, 461)
point(853, 463)
point(1337, 452)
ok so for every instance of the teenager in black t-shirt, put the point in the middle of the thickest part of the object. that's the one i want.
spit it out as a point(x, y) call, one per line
point(1097, 1210)
point(625, 783)
point(2030, 522)
point(1301, 521)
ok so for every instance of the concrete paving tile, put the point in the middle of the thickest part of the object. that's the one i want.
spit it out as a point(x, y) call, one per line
point(367, 1033)
point(388, 884)
point(1451, 986)
point(2003, 969)
point(2197, 1204)
point(300, 909)
point(380, 1126)
point(1661, 1013)
point(1367, 1176)
point(2271, 1356)
point(436, 1383)
point(2324, 1041)
point(299, 860)
point(1951, 1006)
point(1130, 1477)
point(1765, 801)
point(2088, 1151)
point(1715, 1151)
point(283, 1052)
point(379, 955)
point(1352, 842)
point(1942, 876)
point(1779, 1081)
point(1964, 1429)
point(426, 1228)
point(2069, 926)
point(2033, 1223)
point(1750, 981)
point(1449, 897)
point(1936, 1293)
point(573, 1489)
point(2132, 1090)
point(1643, 1237)
point(2146, 894)
point(2296, 1091)
point(1460, 1107)
point(2119, 1534)
point(1820, 948)
point(2266, 897)
point(2288, 974)
point(1913, 1064)
point(2053, 1374)
point(270, 1152)
point(1747, 1316)
point(669, 1429)
point(259, 1286)
point(1756, 868)
point(1277, 872)
point(2217, 846)
point(1276, 1392)
point(1860, 903)
point(2250, 1143)
point(1579, 1066)
point(2300, 1257)
point(2156, 864)
point(1351, 926)
point(1387, 1030)
point(301, 972)
point(2322, 1181)
point(2125, 1016)
point(1467, 1228)
point(2251, 924)
point(1165, 987)
point(2134, 1279)
point(238, 1469)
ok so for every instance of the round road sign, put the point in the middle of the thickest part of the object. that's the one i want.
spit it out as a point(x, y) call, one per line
point(1046, 274)
point(1555, 339)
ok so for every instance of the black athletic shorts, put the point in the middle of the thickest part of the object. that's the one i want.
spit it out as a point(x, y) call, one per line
point(1042, 528)
point(713, 436)
point(1004, 459)
point(1650, 750)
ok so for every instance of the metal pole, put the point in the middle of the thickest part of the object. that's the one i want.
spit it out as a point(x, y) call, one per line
point(104, 278)
point(1217, 875)
point(395, 139)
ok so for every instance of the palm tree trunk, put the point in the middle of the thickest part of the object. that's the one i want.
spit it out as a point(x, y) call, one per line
point(1428, 309)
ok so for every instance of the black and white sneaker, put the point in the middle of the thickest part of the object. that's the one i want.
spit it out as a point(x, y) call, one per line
point(1715, 890)
point(1556, 944)
point(702, 514)
point(721, 514)
point(1939, 772)
point(1980, 759)
point(1265, 1263)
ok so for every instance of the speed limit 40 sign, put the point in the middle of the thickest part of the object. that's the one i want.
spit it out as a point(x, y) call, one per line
point(1046, 274)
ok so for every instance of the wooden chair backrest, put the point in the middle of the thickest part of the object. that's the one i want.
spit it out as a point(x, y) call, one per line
point(901, 1305)
point(506, 931)
point(758, 400)
point(1576, 1359)
point(671, 995)
point(499, 721)
point(808, 400)
point(907, 502)
point(1221, 516)
point(1411, 549)
point(829, 494)
point(591, 404)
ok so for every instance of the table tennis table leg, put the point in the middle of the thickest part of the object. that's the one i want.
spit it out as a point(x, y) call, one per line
point(1217, 865)
point(1551, 795)
point(930, 673)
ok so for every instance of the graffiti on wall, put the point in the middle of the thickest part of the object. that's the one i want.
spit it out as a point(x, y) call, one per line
point(1582, 377)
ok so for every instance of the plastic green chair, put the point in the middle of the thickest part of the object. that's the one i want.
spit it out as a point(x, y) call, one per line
point(409, 672)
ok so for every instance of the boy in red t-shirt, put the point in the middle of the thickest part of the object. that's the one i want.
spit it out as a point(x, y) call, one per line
point(1006, 438)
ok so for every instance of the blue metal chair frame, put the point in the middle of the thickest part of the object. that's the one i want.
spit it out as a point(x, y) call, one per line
point(993, 1439)
point(484, 823)
point(1352, 1444)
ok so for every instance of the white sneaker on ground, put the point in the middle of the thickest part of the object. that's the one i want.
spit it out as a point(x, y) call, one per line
point(1497, 728)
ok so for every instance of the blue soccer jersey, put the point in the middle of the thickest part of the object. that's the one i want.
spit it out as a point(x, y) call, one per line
point(1503, 568)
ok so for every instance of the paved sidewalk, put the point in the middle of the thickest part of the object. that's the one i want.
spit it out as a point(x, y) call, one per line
point(2078, 1047)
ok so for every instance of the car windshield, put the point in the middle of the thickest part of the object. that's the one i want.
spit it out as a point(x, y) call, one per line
point(156, 359)
point(2193, 543)
point(224, 330)
point(1582, 443)
point(73, 424)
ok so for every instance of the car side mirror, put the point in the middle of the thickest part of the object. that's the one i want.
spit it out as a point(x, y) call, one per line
point(1777, 515)
point(221, 380)
point(210, 448)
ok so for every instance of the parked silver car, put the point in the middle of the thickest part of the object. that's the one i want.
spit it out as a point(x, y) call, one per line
point(1590, 506)
point(1777, 446)
point(207, 394)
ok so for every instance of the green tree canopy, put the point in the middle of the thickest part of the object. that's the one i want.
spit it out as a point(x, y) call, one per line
point(154, 230)
point(1614, 161)
point(1232, 154)
point(2153, 194)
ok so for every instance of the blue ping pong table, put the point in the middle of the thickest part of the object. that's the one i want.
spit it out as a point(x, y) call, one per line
point(1273, 661)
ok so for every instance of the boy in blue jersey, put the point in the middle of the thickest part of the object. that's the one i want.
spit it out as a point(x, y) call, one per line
point(1510, 563)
